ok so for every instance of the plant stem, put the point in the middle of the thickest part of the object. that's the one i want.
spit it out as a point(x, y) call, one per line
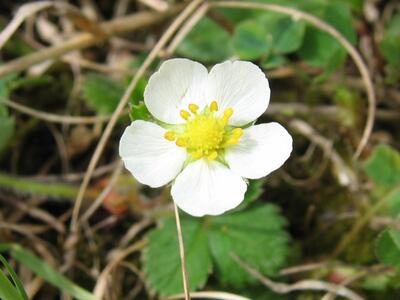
point(182, 254)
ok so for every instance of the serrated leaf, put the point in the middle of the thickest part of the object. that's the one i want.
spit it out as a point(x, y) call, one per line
point(271, 33)
point(320, 49)
point(162, 260)
point(390, 43)
point(256, 235)
point(207, 42)
point(393, 202)
point(101, 93)
point(383, 167)
point(250, 40)
point(288, 35)
point(388, 247)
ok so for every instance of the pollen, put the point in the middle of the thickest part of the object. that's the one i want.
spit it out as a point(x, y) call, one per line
point(205, 134)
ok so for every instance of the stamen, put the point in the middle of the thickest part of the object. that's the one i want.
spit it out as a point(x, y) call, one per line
point(184, 114)
point(193, 108)
point(197, 154)
point(213, 155)
point(237, 132)
point(180, 142)
point(170, 136)
point(227, 115)
point(214, 106)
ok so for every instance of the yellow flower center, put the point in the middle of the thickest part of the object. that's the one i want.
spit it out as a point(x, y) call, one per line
point(205, 135)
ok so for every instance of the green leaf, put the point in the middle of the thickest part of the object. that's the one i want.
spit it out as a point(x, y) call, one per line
point(383, 167)
point(273, 61)
point(287, 35)
point(19, 287)
point(139, 112)
point(207, 42)
point(393, 202)
point(388, 247)
point(6, 129)
point(320, 49)
point(162, 260)
point(43, 270)
point(254, 191)
point(101, 93)
point(250, 40)
point(390, 43)
point(271, 33)
point(7, 290)
point(256, 235)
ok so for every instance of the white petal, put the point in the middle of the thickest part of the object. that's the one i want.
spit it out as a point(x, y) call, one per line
point(262, 149)
point(207, 188)
point(150, 158)
point(240, 85)
point(177, 83)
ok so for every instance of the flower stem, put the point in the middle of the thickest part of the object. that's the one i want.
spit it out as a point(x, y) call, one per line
point(182, 254)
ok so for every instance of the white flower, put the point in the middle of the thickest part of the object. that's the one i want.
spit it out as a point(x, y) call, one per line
point(202, 141)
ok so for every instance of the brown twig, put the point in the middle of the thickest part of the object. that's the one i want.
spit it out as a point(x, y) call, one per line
point(210, 295)
point(84, 40)
point(54, 118)
point(283, 288)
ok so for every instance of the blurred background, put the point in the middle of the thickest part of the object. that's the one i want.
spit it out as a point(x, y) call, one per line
point(75, 225)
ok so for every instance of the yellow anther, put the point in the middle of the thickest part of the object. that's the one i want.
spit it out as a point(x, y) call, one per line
point(214, 106)
point(180, 142)
point(227, 114)
point(193, 108)
point(213, 155)
point(170, 136)
point(184, 114)
point(237, 132)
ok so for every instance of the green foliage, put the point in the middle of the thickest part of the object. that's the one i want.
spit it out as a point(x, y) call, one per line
point(269, 35)
point(250, 40)
point(101, 93)
point(8, 291)
point(42, 269)
point(18, 285)
point(254, 191)
point(256, 235)
point(139, 112)
point(388, 247)
point(7, 123)
point(390, 43)
point(207, 42)
point(162, 262)
point(383, 167)
point(321, 50)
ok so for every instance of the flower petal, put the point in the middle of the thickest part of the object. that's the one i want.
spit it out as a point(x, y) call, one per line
point(150, 158)
point(240, 85)
point(262, 149)
point(177, 83)
point(207, 187)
